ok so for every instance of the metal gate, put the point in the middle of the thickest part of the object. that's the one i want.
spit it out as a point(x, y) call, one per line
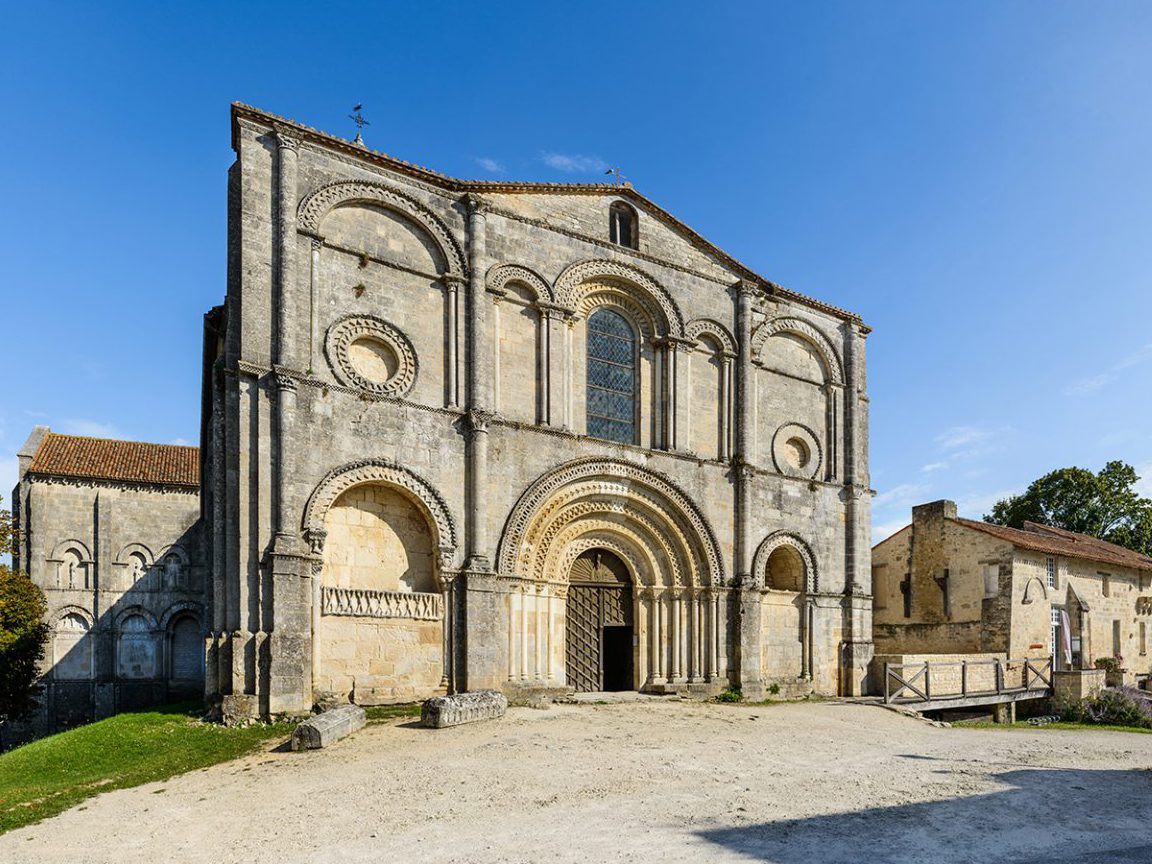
point(599, 596)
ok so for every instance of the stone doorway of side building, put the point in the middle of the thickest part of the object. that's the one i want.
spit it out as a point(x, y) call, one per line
point(599, 644)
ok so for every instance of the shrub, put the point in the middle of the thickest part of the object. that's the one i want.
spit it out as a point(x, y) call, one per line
point(774, 689)
point(1124, 706)
point(732, 694)
point(1109, 664)
point(22, 633)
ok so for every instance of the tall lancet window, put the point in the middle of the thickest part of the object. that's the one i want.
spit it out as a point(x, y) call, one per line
point(611, 377)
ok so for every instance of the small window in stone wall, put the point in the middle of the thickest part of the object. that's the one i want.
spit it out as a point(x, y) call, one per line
point(1105, 584)
point(622, 225)
point(1143, 638)
point(1051, 572)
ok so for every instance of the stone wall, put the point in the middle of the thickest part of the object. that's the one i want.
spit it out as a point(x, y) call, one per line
point(123, 572)
point(948, 674)
point(382, 326)
point(962, 593)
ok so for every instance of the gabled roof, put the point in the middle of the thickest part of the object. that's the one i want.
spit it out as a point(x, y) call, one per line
point(122, 461)
point(1069, 544)
point(240, 110)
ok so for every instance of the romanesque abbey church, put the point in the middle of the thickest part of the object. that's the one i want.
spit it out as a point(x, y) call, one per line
point(466, 434)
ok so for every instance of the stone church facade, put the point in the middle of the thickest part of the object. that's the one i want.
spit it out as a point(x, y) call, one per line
point(110, 531)
point(521, 436)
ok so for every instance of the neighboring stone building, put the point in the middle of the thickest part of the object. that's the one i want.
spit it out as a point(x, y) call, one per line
point(110, 531)
point(945, 585)
point(523, 436)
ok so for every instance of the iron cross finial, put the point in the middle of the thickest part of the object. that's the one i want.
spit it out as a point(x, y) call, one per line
point(357, 117)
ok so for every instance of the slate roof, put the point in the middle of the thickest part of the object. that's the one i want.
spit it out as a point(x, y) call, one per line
point(124, 461)
point(1057, 541)
point(626, 190)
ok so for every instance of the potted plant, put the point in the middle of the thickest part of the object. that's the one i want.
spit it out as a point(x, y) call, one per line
point(1113, 670)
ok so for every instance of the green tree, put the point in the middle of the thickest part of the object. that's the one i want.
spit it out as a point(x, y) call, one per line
point(1104, 505)
point(22, 633)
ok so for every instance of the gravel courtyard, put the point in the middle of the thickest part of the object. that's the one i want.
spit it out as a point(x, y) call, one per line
point(664, 781)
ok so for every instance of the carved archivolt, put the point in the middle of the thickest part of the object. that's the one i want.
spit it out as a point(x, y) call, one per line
point(500, 275)
point(383, 471)
point(708, 327)
point(314, 207)
point(77, 546)
point(139, 548)
point(133, 611)
point(570, 289)
point(600, 295)
point(773, 542)
point(806, 332)
point(342, 334)
point(650, 515)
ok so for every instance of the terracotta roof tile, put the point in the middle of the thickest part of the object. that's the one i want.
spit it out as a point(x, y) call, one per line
point(1057, 541)
point(126, 461)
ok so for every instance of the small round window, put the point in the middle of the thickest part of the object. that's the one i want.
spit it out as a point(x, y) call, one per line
point(370, 354)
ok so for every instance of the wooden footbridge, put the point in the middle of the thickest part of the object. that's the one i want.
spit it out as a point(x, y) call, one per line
point(935, 685)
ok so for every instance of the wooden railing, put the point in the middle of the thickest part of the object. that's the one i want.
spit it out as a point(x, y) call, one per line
point(910, 683)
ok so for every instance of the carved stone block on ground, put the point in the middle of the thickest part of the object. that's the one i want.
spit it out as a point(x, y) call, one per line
point(443, 711)
point(323, 729)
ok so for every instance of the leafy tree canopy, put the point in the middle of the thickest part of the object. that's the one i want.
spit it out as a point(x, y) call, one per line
point(1104, 505)
point(22, 632)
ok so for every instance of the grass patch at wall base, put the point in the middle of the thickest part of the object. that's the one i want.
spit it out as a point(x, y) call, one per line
point(48, 776)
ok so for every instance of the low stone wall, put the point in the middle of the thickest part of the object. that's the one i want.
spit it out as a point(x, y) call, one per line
point(947, 679)
point(1073, 685)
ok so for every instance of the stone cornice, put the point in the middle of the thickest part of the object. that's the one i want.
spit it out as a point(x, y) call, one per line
point(248, 117)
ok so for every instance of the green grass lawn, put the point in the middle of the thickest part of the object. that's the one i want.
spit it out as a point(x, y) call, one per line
point(1024, 724)
point(48, 776)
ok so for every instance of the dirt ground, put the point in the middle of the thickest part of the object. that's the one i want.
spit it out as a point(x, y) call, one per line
point(664, 781)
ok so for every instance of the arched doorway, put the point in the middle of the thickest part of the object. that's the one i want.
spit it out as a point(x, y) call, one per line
point(599, 653)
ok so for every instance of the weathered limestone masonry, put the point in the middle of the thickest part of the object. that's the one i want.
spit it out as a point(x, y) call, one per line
point(525, 437)
point(110, 531)
point(945, 585)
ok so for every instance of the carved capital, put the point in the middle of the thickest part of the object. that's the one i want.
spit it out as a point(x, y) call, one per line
point(475, 204)
point(316, 538)
point(317, 243)
point(478, 420)
point(746, 288)
point(285, 383)
point(286, 140)
point(445, 554)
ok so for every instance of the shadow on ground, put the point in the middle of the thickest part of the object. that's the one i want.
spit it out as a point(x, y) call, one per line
point(1044, 816)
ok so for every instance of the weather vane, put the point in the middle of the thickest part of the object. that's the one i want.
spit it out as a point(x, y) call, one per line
point(358, 118)
point(615, 172)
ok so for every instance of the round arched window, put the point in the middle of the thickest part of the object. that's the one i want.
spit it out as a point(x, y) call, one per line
point(611, 377)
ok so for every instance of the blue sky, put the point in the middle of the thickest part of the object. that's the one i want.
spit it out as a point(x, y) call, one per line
point(972, 178)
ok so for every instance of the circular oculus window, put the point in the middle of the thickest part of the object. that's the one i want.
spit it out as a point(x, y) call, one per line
point(370, 354)
point(796, 451)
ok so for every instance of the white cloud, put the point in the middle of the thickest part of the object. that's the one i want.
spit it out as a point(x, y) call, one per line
point(1144, 352)
point(92, 428)
point(975, 505)
point(902, 496)
point(958, 436)
point(1142, 487)
point(574, 163)
point(934, 466)
point(1088, 386)
point(181, 442)
point(1094, 383)
point(886, 530)
point(489, 165)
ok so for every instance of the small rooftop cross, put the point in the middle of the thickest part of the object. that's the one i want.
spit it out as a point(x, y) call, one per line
point(615, 172)
point(358, 118)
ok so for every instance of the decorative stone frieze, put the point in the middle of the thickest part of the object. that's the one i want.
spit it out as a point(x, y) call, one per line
point(363, 603)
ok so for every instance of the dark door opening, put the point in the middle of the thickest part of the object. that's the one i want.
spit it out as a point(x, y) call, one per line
point(618, 658)
point(599, 614)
